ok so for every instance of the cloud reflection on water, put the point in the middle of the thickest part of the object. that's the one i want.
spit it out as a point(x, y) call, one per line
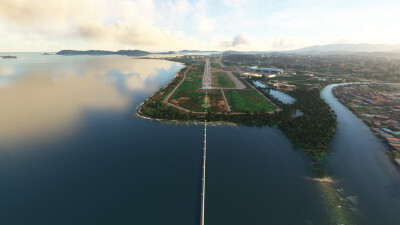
point(36, 105)
point(6, 70)
point(47, 103)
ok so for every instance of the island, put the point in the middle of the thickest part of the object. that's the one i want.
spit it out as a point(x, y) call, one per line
point(102, 52)
point(9, 57)
point(167, 53)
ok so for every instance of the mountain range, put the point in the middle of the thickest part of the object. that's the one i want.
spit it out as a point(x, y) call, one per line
point(379, 50)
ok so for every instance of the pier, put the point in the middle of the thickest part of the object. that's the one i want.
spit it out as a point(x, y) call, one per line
point(203, 178)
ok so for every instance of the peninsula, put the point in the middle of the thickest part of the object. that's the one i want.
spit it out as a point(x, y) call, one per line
point(218, 88)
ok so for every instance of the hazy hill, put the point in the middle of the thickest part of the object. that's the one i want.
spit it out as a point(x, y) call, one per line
point(194, 51)
point(350, 48)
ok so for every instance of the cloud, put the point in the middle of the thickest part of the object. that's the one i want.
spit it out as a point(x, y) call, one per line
point(240, 40)
point(128, 33)
point(281, 43)
point(235, 3)
point(205, 25)
point(48, 15)
point(33, 25)
point(132, 21)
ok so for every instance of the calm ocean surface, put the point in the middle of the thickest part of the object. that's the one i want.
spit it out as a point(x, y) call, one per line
point(72, 151)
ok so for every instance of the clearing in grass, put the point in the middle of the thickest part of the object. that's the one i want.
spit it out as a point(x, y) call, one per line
point(191, 97)
point(221, 79)
point(248, 100)
point(216, 66)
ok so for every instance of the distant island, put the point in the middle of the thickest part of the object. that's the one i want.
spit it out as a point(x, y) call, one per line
point(101, 52)
point(186, 51)
point(195, 51)
point(9, 57)
point(46, 54)
point(170, 52)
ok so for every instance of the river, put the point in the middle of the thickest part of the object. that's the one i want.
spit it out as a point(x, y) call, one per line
point(283, 97)
point(359, 161)
point(72, 151)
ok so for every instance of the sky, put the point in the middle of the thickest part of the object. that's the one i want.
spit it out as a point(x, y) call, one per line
point(164, 25)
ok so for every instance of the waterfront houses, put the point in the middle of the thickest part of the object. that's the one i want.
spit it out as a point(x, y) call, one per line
point(378, 105)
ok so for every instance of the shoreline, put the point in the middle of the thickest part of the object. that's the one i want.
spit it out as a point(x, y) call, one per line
point(187, 68)
point(314, 142)
point(389, 148)
point(217, 123)
point(141, 115)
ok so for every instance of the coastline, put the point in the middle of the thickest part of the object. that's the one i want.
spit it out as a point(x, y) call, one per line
point(217, 123)
point(141, 115)
point(382, 139)
point(168, 95)
point(311, 133)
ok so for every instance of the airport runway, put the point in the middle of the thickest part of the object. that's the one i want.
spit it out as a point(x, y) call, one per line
point(206, 84)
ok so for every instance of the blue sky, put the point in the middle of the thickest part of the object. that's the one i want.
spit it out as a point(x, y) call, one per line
point(159, 25)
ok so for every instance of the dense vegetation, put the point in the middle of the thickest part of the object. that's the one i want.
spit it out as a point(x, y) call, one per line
point(311, 131)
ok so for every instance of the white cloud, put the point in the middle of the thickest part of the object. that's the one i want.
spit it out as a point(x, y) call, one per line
point(235, 3)
point(128, 33)
point(241, 39)
point(284, 43)
point(238, 41)
point(205, 25)
point(179, 24)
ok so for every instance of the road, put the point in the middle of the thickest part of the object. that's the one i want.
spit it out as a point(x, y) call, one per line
point(226, 101)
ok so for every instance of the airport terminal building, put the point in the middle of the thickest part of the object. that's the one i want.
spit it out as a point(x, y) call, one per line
point(266, 70)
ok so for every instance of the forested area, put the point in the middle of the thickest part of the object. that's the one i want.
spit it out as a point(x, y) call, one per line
point(312, 131)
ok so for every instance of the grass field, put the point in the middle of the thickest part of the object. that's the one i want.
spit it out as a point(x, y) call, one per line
point(221, 79)
point(215, 65)
point(189, 95)
point(236, 74)
point(247, 100)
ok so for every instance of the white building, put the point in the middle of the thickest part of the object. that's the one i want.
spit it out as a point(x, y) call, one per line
point(252, 75)
point(266, 70)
